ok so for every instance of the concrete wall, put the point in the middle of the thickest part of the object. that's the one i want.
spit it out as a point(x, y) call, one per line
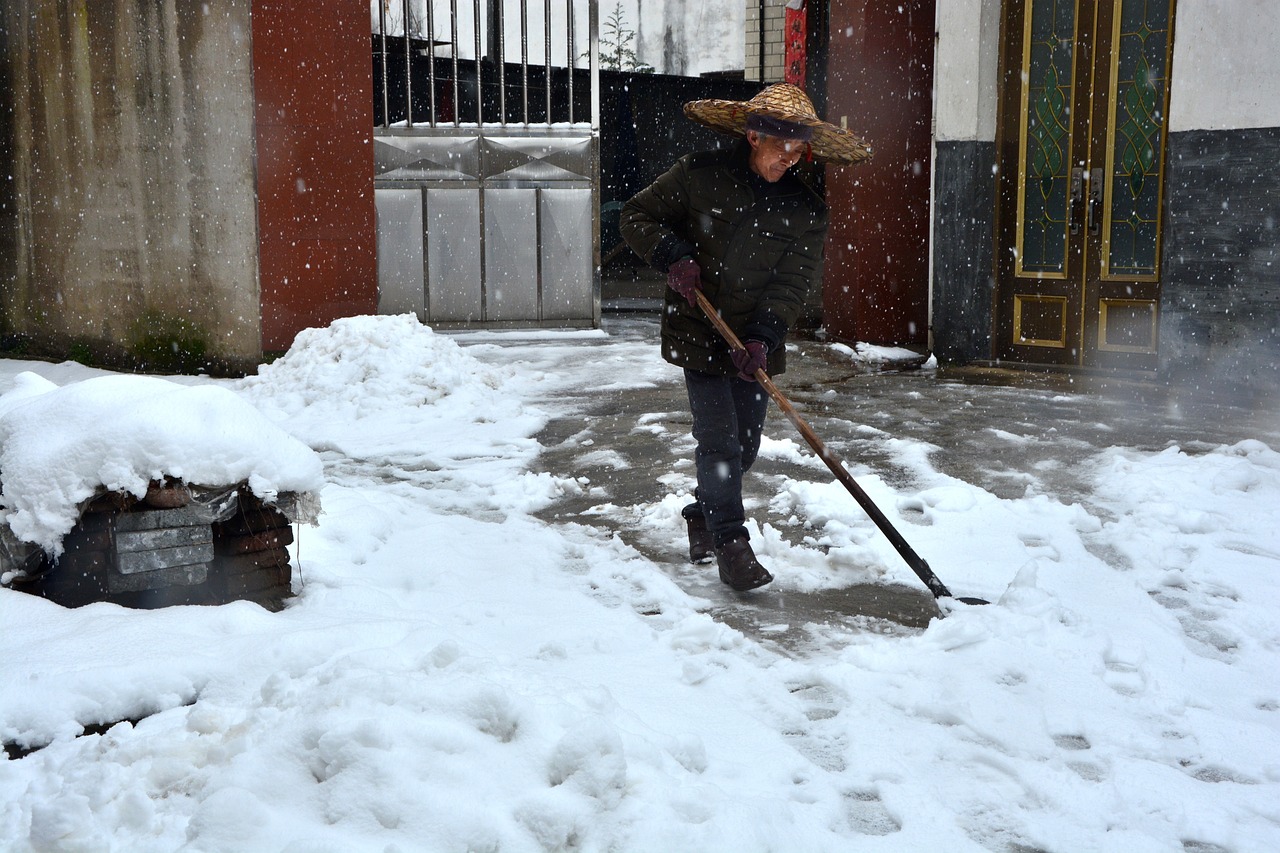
point(1226, 65)
point(1226, 69)
point(132, 212)
point(968, 54)
point(962, 283)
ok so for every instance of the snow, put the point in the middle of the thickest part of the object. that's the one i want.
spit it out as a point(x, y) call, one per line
point(886, 356)
point(457, 673)
point(60, 445)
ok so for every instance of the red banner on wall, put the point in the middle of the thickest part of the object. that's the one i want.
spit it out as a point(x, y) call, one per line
point(794, 53)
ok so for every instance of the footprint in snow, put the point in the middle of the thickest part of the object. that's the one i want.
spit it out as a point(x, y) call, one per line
point(1039, 546)
point(1199, 609)
point(867, 814)
point(819, 739)
point(1082, 767)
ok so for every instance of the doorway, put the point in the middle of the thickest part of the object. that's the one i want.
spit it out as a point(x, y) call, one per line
point(1083, 129)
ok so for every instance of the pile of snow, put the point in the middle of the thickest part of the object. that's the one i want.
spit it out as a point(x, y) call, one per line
point(457, 674)
point(59, 446)
point(874, 354)
point(378, 387)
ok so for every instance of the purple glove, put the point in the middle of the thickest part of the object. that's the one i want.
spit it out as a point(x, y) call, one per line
point(749, 359)
point(685, 278)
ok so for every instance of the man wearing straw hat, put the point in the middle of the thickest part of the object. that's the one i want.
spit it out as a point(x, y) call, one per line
point(738, 226)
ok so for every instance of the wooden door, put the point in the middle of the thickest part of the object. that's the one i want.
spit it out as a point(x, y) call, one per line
point(1083, 126)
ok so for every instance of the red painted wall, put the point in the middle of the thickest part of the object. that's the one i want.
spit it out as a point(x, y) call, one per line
point(880, 75)
point(313, 93)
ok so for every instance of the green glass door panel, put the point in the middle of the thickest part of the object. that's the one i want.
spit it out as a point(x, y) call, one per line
point(1136, 139)
point(1049, 54)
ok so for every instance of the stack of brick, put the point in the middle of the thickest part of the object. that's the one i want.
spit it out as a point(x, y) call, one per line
point(176, 545)
point(251, 555)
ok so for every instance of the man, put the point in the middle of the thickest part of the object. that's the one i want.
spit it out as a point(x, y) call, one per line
point(736, 225)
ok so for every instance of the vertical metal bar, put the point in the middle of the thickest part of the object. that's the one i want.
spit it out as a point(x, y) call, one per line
point(382, 67)
point(593, 66)
point(537, 230)
point(408, 68)
point(593, 62)
point(431, 50)
point(571, 58)
point(426, 241)
point(546, 52)
point(762, 13)
point(453, 36)
point(484, 266)
point(475, 11)
point(524, 56)
point(502, 61)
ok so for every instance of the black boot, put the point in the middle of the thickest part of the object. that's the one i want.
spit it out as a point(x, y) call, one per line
point(739, 567)
point(702, 545)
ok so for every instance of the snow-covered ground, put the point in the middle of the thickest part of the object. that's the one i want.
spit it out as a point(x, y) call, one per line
point(458, 674)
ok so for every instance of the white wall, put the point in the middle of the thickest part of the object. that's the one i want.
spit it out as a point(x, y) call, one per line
point(968, 54)
point(1226, 65)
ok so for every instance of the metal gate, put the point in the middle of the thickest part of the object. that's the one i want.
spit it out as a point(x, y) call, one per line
point(486, 152)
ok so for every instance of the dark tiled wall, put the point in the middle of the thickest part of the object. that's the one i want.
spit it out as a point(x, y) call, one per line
point(1221, 278)
point(963, 228)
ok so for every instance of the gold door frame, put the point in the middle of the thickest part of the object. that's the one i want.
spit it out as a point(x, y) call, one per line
point(1115, 142)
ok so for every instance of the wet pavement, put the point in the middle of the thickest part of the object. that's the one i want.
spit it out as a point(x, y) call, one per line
point(1011, 432)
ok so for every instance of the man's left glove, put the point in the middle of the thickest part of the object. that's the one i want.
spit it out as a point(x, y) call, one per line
point(750, 358)
point(685, 278)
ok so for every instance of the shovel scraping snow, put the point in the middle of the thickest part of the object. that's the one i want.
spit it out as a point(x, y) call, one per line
point(833, 462)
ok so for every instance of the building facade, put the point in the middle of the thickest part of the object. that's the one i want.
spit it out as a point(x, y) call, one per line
point(1104, 196)
point(1078, 185)
point(191, 184)
point(1070, 185)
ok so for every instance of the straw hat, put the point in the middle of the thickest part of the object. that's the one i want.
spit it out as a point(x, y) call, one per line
point(785, 102)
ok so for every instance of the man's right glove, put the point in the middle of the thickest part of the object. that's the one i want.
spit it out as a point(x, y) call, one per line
point(750, 358)
point(685, 278)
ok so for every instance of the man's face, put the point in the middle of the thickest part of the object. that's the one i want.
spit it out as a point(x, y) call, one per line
point(772, 156)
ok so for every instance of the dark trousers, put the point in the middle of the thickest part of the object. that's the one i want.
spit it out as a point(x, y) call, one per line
point(728, 417)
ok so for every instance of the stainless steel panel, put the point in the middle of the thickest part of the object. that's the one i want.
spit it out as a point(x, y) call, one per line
point(568, 280)
point(537, 158)
point(438, 157)
point(454, 287)
point(485, 263)
point(400, 281)
point(511, 254)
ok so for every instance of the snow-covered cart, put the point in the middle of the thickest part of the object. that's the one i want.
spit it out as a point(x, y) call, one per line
point(177, 545)
point(148, 493)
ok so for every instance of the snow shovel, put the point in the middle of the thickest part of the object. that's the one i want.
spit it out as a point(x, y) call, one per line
point(914, 560)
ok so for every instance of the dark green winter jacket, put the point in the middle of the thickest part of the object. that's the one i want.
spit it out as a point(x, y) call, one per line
point(759, 246)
